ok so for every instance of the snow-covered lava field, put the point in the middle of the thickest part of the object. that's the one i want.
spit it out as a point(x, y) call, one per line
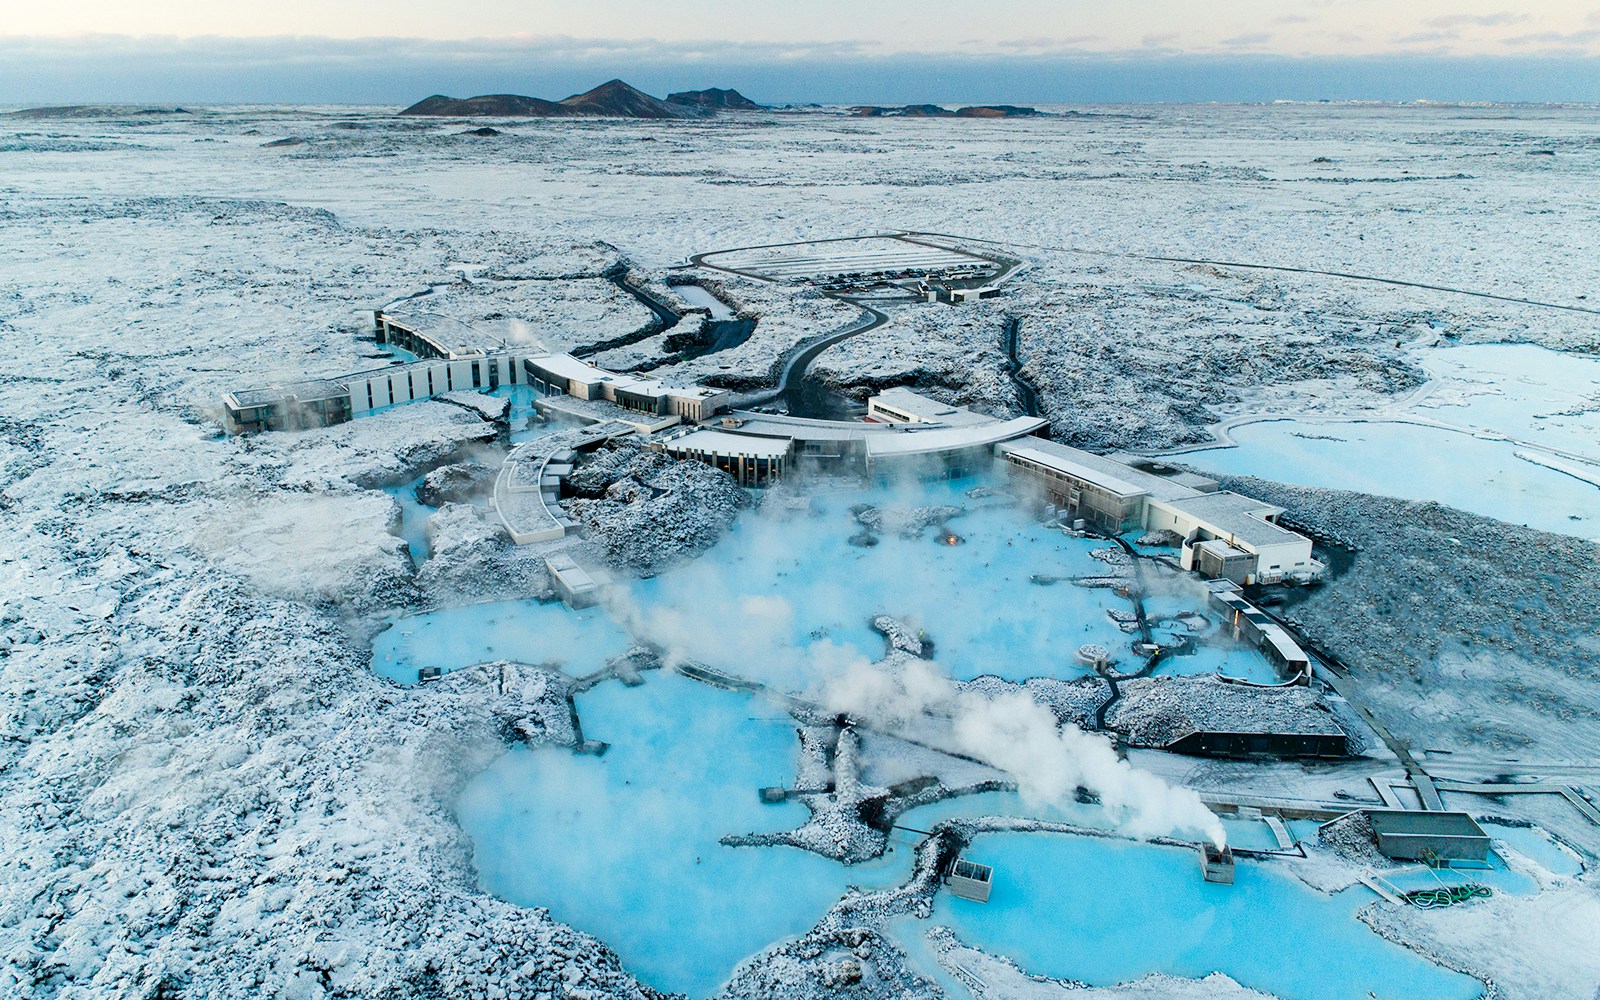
point(744, 772)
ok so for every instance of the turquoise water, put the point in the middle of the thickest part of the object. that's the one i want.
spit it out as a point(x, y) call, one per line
point(1105, 911)
point(789, 600)
point(625, 846)
point(1533, 394)
point(1415, 462)
point(414, 516)
point(1542, 397)
point(1536, 845)
point(526, 631)
point(977, 600)
point(523, 419)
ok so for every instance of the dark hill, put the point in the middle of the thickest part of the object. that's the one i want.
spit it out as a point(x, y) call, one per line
point(496, 105)
point(715, 98)
point(938, 111)
point(93, 111)
point(615, 99)
point(998, 111)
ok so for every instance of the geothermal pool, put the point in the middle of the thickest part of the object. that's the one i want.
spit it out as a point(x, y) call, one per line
point(806, 594)
point(1543, 398)
point(1547, 398)
point(625, 846)
point(788, 600)
point(525, 631)
point(1104, 911)
point(414, 516)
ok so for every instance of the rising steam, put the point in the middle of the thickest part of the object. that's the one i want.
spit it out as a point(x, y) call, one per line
point(1016, 734)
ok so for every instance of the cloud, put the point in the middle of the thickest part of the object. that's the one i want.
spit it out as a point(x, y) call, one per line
point(1292, 19)
point(1046, 44)
point(1253, 40)
point(1428, 36)
point(1497, 19)
point(1574, 39)
point(398, 71)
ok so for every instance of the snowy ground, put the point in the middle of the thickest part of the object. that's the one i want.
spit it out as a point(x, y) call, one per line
point(207, 791)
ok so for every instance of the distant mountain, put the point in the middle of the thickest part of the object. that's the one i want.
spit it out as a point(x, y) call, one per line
point(998, 111)
point(94, 111)
point(613, 99)
point(939, 111)
point(494, 105)
point(715, 98)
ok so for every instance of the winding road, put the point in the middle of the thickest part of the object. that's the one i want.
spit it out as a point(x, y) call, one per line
point(804, 396)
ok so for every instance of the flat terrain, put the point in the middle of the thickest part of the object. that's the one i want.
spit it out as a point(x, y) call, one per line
point(205, 789)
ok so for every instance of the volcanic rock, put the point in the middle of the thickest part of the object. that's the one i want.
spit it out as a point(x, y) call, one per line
point(715, 98)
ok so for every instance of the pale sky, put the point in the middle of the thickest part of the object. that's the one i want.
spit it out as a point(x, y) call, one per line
point(1307, 28)
point(826, 51)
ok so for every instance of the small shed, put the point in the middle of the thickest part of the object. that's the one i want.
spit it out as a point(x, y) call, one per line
point(578, 586)
point(1411, 835)
point(1216, 863)
point(970, 880)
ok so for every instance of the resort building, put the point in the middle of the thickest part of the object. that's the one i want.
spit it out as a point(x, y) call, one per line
point(290, 407)
point(753, 461)
point(911, 433)
point(1251, 624)
point(323, 402)
point(563, 374)
point(1225, 535)
point(430, 335)
point(1431, 837)
point(902, 406)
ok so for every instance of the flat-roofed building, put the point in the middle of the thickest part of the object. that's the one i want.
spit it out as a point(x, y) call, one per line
point(1225, 535)
point(579, 586)
point(956, 450)
point(431, 335)
point(752, 460)
point(287, 407)
point(1105, 493)
point(900, 405)
point(1233, 536)
point(1410, 835)
point(566, 375)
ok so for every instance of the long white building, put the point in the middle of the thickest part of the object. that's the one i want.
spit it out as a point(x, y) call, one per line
point(909, 432)
point(1225, 535)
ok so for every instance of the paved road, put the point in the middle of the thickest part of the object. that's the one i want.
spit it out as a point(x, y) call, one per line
point(805, 397)
point(1347, 275)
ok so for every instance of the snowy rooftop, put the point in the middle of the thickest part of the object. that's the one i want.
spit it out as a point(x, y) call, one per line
point(926, 409)
point(1105, 472)
point(450, 334)
point(725, 443)
point(905, 441)
point(306, 389)
point(1237, 516)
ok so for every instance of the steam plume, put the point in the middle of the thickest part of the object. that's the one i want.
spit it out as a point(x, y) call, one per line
point(1018, 735)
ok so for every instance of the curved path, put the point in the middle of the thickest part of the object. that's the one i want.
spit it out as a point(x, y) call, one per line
point(804, 397)
point(1347, 275)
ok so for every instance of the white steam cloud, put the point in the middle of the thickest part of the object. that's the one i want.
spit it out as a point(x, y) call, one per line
point(1018, 735)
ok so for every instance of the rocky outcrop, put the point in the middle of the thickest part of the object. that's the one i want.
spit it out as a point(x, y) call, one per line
point(464, 482)
point(940, 111)
point(612, 99)
point(646, 511)
point(496, 105)
point(715, 98)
